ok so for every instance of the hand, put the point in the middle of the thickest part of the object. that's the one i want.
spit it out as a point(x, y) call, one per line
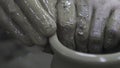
point(98, 25)
point(27, 20)
point(95, 24)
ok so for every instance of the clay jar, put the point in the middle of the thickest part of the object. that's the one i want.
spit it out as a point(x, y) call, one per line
point(67, 58)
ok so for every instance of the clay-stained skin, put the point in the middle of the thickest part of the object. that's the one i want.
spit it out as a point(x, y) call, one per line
point(39, 18)
point(97, 30)
point(16, 14)
point(50, 7)
point(7, 24)
point(66, 22)
point(83, 24)
point(112, 31)
point(100, 19)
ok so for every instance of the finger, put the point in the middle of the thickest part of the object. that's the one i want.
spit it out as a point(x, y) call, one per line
point(7, 24)
point(66, 22)
point(112, 33)
point(97, 30)
point(18, 17)
point(39, 18)
point(49, 6)
point(84, 12)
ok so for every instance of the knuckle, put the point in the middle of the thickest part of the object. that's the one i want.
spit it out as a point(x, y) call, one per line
point(96, 36)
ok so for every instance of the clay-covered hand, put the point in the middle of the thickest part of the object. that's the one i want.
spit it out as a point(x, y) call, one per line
point(66, 22)
point(98, 25)
point(29, 20)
